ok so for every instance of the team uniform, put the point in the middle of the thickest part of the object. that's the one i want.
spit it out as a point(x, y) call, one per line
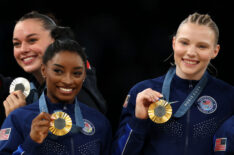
point(190, 134)
point(224, 138)
point(94, 138)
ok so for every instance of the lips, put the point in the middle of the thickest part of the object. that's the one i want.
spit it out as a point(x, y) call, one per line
point(28, 60)
point(64, 90)
point(190, 62)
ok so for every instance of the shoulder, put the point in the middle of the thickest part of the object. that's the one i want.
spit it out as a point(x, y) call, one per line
point(220, 85)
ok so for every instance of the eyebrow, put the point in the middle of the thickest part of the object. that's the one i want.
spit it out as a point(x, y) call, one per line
point(30, 35)
point(58, 65)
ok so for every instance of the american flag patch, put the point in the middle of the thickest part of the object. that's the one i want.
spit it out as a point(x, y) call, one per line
point(5, 134)
point(220, 144)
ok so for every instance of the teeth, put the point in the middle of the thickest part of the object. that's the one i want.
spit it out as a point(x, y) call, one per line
point(28, 59)
point(66, 89)
point(190, 62)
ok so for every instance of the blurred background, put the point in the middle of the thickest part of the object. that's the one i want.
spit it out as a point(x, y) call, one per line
point(126, 41)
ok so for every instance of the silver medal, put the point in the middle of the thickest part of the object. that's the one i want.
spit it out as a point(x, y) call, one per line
point(22, 84)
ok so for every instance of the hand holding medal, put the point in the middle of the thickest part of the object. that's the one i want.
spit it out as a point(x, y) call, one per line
point(22, 84)
point(16, 98)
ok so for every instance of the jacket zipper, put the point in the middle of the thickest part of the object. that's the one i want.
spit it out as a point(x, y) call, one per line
point(187, 125)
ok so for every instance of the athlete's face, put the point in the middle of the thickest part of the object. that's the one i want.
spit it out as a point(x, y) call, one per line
point(30, 41)
point(194, 46)
point(64, 75)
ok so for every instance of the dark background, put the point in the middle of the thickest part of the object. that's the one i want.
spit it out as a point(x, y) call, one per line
point(126, 41)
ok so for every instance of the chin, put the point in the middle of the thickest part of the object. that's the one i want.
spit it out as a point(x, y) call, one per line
point(30, 69)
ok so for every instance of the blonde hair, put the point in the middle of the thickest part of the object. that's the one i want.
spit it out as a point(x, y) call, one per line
point(202, 19)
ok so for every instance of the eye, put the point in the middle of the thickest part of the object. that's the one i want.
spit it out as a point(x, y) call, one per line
point(78, 73)
point(58, 71)
point(32, 40)
point(184, 42)
point(16, 44)
point(202, 46)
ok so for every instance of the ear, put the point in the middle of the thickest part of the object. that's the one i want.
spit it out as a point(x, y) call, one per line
point(173, 42)
point(43, 70)
point(84, 76)
point(216, 51)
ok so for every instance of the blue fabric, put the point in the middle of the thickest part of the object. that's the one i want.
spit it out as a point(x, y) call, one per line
point(19, 151)
point(226, 130)
point(190, 134)
point(78, 116)
point(190, 98)
point(94, 139)
point(123, 140)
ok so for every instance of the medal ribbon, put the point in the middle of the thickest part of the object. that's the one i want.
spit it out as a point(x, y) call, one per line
point(34, 92)
point(78, 116)
point(190, 98)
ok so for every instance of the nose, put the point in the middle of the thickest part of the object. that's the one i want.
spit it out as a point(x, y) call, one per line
point(191, 51)
point(67, 79)
point(24, 48)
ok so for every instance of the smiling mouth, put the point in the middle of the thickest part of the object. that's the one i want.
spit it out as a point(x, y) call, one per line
point(190, 62)
point(65, 90)
point(28, 60)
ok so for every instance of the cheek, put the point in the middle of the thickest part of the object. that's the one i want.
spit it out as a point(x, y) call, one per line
point(179, 50)
point(16, 53)
point(205, 56)
point(79, 83)
point(38, 50)
point(178, 53)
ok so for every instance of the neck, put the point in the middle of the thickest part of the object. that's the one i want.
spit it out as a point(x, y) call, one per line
point(39, 77)
point(194, 76)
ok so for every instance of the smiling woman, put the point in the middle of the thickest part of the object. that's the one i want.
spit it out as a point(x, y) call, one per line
point(64, 73)
point(202, 102)
point(33, 33)
point(58, 119)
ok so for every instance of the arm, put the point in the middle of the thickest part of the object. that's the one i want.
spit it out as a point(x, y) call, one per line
point(134, 123)
point(15, 100)
point(19, 140)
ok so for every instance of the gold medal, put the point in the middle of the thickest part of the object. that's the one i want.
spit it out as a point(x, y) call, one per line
point(22, 84)
point(160, 111)
point(61, 124)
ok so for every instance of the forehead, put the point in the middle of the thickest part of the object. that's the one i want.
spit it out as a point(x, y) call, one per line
point(196, 32)
point(67, 58)
point(29, 26)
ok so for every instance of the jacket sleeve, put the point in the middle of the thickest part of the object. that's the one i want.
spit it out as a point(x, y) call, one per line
point(130, 136)
point(223, 141)
point(12, 138)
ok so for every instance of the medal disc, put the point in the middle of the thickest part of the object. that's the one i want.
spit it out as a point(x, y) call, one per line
point(22, 84)
point(62, 123)
point(160, 111)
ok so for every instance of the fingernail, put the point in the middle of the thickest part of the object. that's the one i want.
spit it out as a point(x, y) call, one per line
point(52, 117)
point(51, 123)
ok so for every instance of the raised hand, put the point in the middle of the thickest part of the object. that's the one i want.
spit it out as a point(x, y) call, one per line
point(13, 101)
point(143, 100)
point(40, 127)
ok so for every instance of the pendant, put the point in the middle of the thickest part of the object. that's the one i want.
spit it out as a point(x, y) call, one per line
point(160, 111)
